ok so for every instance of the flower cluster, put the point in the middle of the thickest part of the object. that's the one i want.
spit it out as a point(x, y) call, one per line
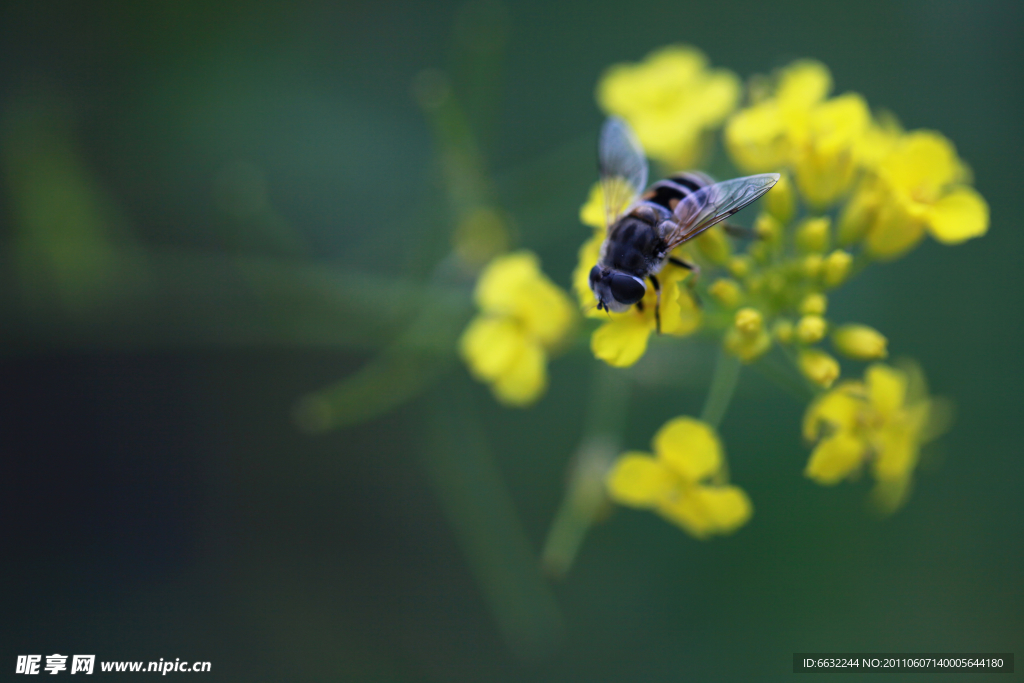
point(523, 316)
point(672, 100)
point(684, 481)
point(855, 188)
point(896, 186)
point(880, 421)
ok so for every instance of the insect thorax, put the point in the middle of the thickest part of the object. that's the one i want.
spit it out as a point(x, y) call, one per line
point(634, 244)
point(634, 247)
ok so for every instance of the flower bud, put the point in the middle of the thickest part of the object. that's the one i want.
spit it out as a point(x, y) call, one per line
point(814, 304)
point(714, 245)
point(783, 331)
point(740, 265)
point(860, 342)
point(812, 235)
point(819, 367)
point(726, 292)
point(812, 265)
point(767, 227)
point(779, 201)
point(748, 321)
point(811, 329)
point(836, 267)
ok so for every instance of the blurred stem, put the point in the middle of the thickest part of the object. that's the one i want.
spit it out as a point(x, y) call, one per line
point(723, 385)
point(585, 497)
point(786, 375)
point(470, 488)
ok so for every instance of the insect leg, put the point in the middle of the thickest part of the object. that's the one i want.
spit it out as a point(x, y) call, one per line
point(682, 264)
point(657, 306)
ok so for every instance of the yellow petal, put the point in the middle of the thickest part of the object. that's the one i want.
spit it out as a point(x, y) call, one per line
point(835, 458)
point(922, 163)
point(687, 512)
point(887, 496)
point(497, 289)
point(638, 480)
point(886, 387)
point(525, 379)
point(756, 138)
point(592, 212)
point(898, 441)
point(893, 231)
point(728, 507)
point(621, 341)
point(690, 447)
point(838, 408)
point(959, 216)
point(804, 83)
point(718, 95)
point(491, 345)
point(680, 313)
point(545, 311)
point(896, 452)
point(706, 510)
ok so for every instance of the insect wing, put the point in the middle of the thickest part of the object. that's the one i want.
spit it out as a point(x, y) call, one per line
point(710, 205)
point(622, 165)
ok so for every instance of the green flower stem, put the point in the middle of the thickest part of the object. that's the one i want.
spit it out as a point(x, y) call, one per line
point(585, 495)
point(468, 483)
point(723, 385)
point(785, 373)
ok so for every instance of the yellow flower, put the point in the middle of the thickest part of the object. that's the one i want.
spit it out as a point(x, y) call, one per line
point(826, 162)
point(794, 126)
point(622, 340)
point(671, 99)
point(882, 420)
point(763, 137)
point(675, 481)
point(922, 182)
point(523, 316)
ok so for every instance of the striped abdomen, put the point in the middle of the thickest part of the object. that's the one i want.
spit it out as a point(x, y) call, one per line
point(666, 194)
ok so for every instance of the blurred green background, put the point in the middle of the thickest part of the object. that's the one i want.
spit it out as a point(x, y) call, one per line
point(209, 210)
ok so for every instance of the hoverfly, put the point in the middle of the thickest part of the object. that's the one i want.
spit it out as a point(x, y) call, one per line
point(644, 229)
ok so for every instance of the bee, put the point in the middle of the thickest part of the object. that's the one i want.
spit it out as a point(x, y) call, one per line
point(643, 229)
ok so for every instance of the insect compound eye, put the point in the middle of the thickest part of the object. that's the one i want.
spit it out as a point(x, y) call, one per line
point(595, 275)
point(626, 289)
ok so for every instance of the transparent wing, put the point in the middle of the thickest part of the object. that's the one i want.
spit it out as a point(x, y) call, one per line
point(622, 165)
point(713, 204)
